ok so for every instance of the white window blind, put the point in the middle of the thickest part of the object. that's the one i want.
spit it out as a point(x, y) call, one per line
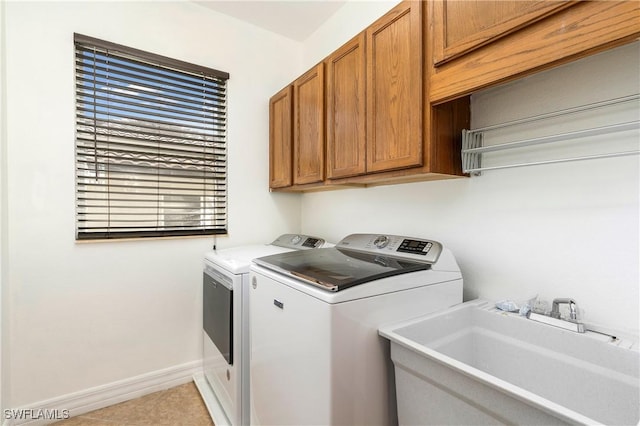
point(150, 144)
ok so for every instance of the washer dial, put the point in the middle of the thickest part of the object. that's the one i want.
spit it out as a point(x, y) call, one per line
point(381, 241)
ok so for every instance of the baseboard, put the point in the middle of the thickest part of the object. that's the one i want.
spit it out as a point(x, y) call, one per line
point(81, 402)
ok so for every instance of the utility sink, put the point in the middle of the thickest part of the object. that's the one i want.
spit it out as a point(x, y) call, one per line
point(474, 364)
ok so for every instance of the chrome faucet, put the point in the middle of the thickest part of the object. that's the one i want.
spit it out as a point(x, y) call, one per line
point(555, 308)
point(556, 320)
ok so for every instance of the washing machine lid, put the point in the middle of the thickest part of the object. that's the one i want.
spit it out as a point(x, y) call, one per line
point(355, 260)
point(336, 269)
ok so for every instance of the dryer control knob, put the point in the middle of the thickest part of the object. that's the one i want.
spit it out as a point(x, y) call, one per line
point(295, 239)
point(381, 241)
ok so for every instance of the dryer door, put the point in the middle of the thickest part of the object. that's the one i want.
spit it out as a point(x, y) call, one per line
point(218, 314)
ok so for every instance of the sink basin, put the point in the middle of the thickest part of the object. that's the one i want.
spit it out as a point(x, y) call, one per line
point(473, 364)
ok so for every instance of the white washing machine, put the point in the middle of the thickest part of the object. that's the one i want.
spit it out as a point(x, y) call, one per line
point(224, 384)
point(316, 356)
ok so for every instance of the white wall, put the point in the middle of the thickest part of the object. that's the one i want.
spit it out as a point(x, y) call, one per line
point(343, 25)
point(84, 315)
point(564, 230)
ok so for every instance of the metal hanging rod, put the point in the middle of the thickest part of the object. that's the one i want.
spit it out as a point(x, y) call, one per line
point(560, 160)
point(473, 140)
point(559, 113)
point(631, 125)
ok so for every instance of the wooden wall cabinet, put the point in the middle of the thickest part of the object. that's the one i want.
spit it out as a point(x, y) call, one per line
point(374, 118)
point(281, 138)
point(397, 95)
point(378, 130)
point(297, 133)
point(309, 127)
point(479, 44)
point(406, 139)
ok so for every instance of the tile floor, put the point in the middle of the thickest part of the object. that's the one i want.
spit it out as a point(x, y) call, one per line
point(181, 405)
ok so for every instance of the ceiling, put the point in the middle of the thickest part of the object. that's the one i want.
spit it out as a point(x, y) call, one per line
point(295, 19)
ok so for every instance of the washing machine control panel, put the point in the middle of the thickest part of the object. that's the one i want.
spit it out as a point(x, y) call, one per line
point(420, 247)
point(394, 245)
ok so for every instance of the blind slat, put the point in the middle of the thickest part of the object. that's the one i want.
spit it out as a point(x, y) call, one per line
point(88, 85)
point(121, 113)
point(145, 78)
point(89, 146)
point(111, 63)
point(163, 130)
point(146, 106)
point(150, 144)
point(161, 155)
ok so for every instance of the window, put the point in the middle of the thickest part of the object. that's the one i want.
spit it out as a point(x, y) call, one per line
point(150, 144)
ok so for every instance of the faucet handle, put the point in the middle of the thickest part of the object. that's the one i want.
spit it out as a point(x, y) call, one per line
point(573, 308)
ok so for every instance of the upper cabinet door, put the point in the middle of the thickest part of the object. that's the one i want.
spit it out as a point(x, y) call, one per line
point(346, 132)
point(515, 41)
point(309, 127)
point(462, 26)
point(280, 138)
point(394, 89)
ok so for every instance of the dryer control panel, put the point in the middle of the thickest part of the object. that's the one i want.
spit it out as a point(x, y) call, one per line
point(419, 249)
point(298, 241)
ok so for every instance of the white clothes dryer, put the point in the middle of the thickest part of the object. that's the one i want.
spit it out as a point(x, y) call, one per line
point(224, 384)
